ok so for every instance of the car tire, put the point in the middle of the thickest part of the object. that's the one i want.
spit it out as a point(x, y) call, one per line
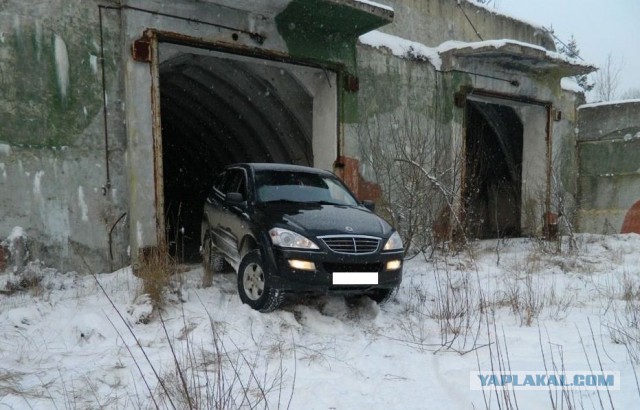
point(382, 296)
point(212, 261)
point(253, 284)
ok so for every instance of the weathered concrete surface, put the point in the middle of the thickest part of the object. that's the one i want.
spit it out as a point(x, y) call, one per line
point(609, 168)
point(52, 161)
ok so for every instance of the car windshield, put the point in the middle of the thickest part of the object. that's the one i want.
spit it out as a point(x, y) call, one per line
point(301, 187)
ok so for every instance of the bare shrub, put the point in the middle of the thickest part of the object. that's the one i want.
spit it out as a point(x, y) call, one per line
point(414, 320)
point(624, 328)
point(499, 362)
point(525, 297)
point(454, 306)
point(213, 376)
point(418, 177)
point(528, 292)
point(155, 269)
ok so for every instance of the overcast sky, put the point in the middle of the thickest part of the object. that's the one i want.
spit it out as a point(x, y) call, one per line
point(599, 26)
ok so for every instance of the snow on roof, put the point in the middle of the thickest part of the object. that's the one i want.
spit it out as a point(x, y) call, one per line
point(497, 44)
point(618, 102)
point(373, 3)
point(401, 47)
point(404, 48)
point(570, 84)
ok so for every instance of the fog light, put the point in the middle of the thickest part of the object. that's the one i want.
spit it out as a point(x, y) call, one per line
point(302, 265)
point(393, 265)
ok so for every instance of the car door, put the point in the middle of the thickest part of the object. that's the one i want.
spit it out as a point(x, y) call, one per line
point(214, 211)
point(234, 217)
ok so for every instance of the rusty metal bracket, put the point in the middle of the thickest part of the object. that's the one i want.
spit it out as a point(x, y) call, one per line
point(141, 49)
point(351, 83)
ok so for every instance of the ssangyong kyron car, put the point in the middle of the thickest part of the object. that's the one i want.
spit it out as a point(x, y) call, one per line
point(287, 228)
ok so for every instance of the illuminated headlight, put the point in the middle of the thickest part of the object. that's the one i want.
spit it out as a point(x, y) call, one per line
point(394, 243)
point(393, 265)
point(287, 239)
point(302, 265)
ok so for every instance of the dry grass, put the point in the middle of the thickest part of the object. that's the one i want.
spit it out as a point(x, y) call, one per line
point(155, 269)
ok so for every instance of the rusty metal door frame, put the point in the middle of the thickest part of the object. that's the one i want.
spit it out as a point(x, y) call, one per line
point(156, 122)
point(461, 99)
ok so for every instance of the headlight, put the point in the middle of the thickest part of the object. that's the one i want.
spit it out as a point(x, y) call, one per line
point(288, 239)
point(394, 243)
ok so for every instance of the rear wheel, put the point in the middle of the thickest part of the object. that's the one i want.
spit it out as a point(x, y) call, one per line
point(253, 284)
point(212, 261)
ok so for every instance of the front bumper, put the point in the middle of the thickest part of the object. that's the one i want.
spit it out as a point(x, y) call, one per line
point(321, 280)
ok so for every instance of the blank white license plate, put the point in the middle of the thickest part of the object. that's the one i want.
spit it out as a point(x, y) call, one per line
point(355, 278)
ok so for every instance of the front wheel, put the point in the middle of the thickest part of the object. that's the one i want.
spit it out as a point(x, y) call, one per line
point(253, 284)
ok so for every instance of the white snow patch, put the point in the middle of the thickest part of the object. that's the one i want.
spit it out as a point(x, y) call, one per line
point(373, 3)
point(39, 39)
point(497, 44)
point(570, 84)
point(1, 37)
point(364, 355)
point(3, 168)
point(84, 210)
point(93, 61)
point(401, 47)
point(404, 48)
point(629, 136)
point(5, 149)
point(62, 64)
point(16, 232)
point(617, 102)
point(37, 179)
point(17, 27)
point(139, 232)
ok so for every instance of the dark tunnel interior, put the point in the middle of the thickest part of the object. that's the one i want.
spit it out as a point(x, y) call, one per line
point(493, 178)
point(217, 111)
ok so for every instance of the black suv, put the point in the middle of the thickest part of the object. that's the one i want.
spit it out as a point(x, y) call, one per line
point(288, 228)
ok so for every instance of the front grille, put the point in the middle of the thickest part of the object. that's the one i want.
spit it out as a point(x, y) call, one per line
point(352, 267)
point(354, 245)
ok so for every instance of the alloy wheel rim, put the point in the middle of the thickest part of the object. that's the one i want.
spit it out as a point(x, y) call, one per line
point(253, 281)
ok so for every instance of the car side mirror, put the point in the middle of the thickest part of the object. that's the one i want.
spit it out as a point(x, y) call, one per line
point(236, 199)
point(370, 205)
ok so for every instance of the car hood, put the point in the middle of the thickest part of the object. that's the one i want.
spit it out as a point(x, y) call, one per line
point(318, 220)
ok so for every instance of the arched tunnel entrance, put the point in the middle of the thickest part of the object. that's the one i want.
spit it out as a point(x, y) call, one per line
point(218, 109)
point(493, 177)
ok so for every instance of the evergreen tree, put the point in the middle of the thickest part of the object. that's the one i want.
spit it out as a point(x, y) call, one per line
point(571, 50)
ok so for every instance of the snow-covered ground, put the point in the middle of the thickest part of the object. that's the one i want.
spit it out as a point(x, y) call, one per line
point(74, 342)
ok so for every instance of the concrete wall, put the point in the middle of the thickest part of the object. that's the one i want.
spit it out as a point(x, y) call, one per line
point(52, 161)
point(433, 22)
point(609, 167)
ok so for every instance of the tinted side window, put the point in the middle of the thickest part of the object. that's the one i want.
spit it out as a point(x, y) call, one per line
point(217, 183)
point(235, 182)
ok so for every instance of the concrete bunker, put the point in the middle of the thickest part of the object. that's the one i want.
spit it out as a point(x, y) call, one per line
point(218, 108)
point(506, 186)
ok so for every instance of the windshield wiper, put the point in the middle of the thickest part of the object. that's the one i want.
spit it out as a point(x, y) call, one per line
point(286, 201)
point(329, 203)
